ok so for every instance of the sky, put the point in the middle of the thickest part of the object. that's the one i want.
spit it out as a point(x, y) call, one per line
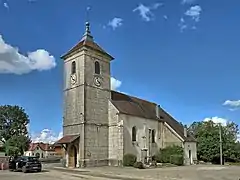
point(182, 54)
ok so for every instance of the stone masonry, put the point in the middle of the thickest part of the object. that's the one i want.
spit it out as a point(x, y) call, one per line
point(104, 130)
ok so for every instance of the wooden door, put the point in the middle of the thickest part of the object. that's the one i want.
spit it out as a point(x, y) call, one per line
point(72, 159)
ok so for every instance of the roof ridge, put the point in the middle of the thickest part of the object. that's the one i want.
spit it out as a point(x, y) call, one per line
point(131, 96)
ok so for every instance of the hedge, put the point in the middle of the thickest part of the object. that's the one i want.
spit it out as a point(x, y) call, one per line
point(171, 154)
point(129, 159)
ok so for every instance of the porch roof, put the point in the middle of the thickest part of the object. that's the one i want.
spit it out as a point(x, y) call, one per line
point(67, 139)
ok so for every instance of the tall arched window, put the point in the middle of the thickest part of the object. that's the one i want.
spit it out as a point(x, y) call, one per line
point(97, 67)
point(134, 133)
point(153, 135)
point(73, 71)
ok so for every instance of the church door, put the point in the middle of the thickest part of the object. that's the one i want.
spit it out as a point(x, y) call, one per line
point(72, 160)
point(190, 156)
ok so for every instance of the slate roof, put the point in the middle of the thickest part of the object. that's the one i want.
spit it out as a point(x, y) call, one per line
point(138, 107)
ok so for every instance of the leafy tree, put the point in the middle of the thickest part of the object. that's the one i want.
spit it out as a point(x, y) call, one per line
point(208, 140)
point(13, 129)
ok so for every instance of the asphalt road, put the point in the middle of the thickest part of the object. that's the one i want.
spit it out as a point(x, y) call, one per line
point(106, 173)
point(45, 175)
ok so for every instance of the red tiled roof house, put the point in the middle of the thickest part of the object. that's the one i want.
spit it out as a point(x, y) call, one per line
point(41, 150)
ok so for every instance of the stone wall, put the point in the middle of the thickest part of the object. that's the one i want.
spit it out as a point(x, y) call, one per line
point(190, 146)
point(86, 106)
point(96, 110)
point(143, 139)
point(73, 95)
point(115, 137)
point(170, 137)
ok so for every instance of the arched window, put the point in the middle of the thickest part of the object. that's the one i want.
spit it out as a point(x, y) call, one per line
point(97, 67)
point(134, 133)
point(153, 135)
point(73, 67)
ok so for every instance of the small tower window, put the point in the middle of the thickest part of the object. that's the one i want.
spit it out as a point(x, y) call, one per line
point(134, 134)
point(73, 67)
point(97, 67)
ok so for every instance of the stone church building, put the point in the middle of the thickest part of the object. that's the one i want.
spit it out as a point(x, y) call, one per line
point(101, 125)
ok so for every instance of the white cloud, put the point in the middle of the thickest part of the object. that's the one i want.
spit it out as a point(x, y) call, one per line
point(156, 5)
point(217, 120)
point(165, 17)
point(115, 84)
point(194, 12)
point(46, 136)
point(188, 1)
point(146, 11)
point(115, 23)
point(233, 104)
point(182, 25)
point(12, 61)
point(6, 5)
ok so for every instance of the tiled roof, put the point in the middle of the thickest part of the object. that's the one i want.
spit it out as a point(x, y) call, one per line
point(67, 139)
point(86, 43)
point(42, 146)
point(138, 107)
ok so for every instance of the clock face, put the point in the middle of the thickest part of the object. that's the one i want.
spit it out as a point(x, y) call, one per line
point(97, 81)
point(73, 79)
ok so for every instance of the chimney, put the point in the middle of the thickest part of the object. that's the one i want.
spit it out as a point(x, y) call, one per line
point(157, 111)
point(185, 131)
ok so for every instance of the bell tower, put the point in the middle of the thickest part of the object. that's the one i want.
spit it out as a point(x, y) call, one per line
point(86, 95)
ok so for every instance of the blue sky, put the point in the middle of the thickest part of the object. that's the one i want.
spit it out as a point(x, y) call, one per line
point(184, 55)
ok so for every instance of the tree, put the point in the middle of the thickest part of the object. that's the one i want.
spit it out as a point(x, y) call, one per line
point(207, 136)
point(13, 129)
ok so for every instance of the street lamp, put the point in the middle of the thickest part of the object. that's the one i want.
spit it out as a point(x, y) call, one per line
point(220, 143)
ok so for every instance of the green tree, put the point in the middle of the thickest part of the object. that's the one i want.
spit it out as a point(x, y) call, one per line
point(13, 129)
point(207, 136)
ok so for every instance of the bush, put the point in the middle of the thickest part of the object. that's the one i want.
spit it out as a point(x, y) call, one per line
point(138, 165)
point(167, 155)
point(177, 160)
point(129, 159)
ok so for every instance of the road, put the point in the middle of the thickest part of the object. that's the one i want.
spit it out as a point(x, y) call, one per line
point(106, 173)
point(45, 175)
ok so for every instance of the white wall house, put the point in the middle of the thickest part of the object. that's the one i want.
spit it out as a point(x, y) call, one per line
point(41, 150)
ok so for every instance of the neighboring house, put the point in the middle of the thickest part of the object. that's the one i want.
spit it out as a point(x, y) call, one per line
point(41, 150)
point(100, 126)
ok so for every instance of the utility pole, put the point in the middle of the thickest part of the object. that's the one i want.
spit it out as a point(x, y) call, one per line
point(220, 143)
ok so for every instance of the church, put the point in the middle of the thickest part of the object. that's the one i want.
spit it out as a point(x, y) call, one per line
point(100, 126)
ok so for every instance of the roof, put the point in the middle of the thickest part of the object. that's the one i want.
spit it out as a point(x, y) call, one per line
point(42, 146)
point(67, 139)
point(138, 107)
point(89, 44)
point(86, 41)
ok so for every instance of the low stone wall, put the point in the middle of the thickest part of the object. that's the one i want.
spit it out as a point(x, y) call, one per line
point(3, 163)
point(51, 160)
